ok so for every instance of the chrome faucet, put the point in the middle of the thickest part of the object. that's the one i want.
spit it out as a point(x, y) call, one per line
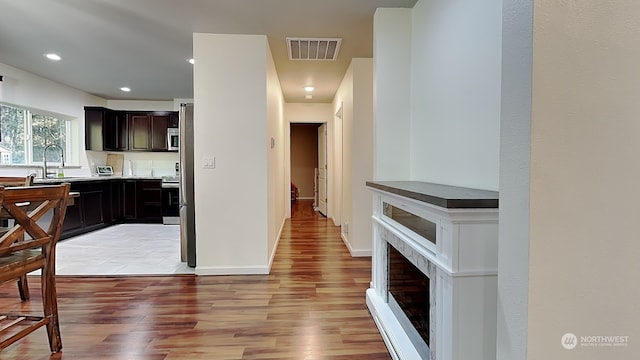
point(45, 172)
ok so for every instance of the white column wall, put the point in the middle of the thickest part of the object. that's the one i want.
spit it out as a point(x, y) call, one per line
point(455, 92)
point(515, 143)
point(392, 73)
point(361, 157)
point(230, 124)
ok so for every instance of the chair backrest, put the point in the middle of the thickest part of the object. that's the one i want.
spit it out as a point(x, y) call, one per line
point(27, 206)
point(9, 181)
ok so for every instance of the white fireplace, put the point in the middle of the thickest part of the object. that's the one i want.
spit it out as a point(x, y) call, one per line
point(433, 293)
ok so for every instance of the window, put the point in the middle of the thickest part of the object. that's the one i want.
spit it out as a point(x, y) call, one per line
point(25, 134)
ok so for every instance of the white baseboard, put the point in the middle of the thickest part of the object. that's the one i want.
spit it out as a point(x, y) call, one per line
point(232, 270)
point(275, 247)
point(242, 270)
point(355, 253)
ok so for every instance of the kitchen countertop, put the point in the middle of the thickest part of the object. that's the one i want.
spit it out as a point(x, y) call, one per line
point(92, 178)
point(446, 196)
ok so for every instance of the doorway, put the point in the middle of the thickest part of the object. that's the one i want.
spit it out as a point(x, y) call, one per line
point(308, 164)
point(321, 193)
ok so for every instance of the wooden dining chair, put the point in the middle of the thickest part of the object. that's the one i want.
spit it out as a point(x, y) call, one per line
point(11, 181)
point(30, 244)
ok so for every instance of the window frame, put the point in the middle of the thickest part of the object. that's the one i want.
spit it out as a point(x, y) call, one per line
point(71, 156)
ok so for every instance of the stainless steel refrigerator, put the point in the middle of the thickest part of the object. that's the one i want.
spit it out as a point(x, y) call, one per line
point(187, 212)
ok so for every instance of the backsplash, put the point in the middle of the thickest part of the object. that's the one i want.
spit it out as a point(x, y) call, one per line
point(147, 164)
point(138, 163)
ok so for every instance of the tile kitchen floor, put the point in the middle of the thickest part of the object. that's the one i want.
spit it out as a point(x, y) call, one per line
point(126, 249)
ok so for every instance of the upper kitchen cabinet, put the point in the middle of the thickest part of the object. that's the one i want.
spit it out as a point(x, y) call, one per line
point(159, 126)
point(148, 131)
point(116, 132)
point(93, 123)
point(173, 120)
point(140, 132)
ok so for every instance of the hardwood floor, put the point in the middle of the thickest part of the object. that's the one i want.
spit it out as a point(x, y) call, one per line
point(311, 306)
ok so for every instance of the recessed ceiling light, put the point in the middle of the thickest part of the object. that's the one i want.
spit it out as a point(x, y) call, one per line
point(54, 57)
point(308, 96)
point(191, 61)
point(309, 88)
point(125, 89)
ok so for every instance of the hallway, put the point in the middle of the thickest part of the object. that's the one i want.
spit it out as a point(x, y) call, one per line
point(311, 306)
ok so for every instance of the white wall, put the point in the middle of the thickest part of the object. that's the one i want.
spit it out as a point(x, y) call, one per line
point(277, 188)
point(30, 91)
point(515, 135)
point(143, 105)
point(344, 99)
point(234, 120)
point(569, 253)
point(392, 73)
point(584, 247)
point(308, 112)
point(455, 92)
point(334, 167)
point(357, 156)
point(362, 157)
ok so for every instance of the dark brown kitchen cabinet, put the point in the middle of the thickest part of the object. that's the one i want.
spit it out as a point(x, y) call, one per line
point(159, 126)
point(139, 132)
point(92, 208)
point(141, 200)
point(115, 131)
point(94, 118)
point(105, 202)
point(115, 208)
point(88, 210)
point(129, 208)
point(148, 131)
point(72, 220)
point(149, 201)
point(173, 120)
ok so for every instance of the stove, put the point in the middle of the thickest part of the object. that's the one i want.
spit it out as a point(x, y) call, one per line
point(170, 200)
point(170, 182)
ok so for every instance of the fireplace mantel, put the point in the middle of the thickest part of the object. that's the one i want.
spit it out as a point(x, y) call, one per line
point(451, 234)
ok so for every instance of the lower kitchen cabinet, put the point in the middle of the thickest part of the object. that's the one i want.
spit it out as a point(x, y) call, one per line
point(93, 209)
point(105, 202)
point(129, 208)
point(72, 220)
point(88, 211)
point(149, 201)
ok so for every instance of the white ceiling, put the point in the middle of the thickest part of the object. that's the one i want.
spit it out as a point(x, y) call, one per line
point(145, 44)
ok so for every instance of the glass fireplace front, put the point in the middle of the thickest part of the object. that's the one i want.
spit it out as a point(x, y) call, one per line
point(409, 292)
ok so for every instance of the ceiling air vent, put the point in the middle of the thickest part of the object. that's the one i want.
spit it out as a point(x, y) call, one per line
point(313, 48)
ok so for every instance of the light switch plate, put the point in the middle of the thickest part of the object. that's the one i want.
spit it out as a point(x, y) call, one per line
point(209, 162)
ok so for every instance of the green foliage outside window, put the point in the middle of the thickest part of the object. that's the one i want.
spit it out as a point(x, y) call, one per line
point(24, 135)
